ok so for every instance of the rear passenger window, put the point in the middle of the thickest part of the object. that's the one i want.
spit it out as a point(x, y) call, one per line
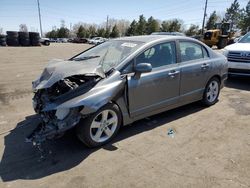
point(192, 51)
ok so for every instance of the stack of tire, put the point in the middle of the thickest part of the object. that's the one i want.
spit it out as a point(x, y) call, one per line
point(3, 40)
point(24, 38)
point(12, 38)
point(34, 39)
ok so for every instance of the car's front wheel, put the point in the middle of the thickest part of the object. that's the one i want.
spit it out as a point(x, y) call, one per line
point(100, 127)
point(211, 92)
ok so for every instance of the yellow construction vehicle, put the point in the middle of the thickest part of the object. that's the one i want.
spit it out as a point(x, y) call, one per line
point(220, 37)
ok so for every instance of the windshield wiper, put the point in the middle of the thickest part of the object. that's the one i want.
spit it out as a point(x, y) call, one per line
point(85, 58)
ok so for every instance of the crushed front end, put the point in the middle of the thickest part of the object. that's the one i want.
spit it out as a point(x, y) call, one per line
point(46, 102)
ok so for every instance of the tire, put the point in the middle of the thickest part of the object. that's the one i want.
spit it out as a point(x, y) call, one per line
point(95, 131)
point(222, 43)
point(46, 43)
point(34, 39)
point(24, 38)
point(211, 93)
point(12, 38)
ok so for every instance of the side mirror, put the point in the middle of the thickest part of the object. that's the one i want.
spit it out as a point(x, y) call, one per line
point(142, 68)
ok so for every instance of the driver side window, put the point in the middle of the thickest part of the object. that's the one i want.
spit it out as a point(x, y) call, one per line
point(158, 55)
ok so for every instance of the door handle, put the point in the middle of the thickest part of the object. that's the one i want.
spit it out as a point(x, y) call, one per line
point(204, 66)
point(173, 73)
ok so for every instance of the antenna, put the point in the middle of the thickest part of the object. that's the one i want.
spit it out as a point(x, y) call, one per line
point(40, 21)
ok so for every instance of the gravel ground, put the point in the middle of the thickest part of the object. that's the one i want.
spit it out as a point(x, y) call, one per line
point(210, 146)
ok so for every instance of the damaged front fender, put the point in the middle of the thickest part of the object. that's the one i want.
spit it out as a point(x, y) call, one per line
point(103, 92)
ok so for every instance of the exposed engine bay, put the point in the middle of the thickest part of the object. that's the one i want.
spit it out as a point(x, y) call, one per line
point(56, 122)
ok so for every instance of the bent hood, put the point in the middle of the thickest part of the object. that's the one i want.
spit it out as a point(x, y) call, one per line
point(58, 69)
point(238, 47)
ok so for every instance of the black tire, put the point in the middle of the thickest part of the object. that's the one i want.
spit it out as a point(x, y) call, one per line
point(24, 38)
point(83, 129)
point(222, 43)
point(34, 39)
point(12, 41)
point(3, 44)
point(46, 43)
point(12, 38)
point(12, 34)
point(208, 101)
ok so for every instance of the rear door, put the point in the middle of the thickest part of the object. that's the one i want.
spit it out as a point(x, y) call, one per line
point(195, 67)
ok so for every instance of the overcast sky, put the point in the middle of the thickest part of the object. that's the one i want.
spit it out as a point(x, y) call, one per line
point(15, 12)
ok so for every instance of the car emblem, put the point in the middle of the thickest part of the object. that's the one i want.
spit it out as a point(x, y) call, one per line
point(244, 54)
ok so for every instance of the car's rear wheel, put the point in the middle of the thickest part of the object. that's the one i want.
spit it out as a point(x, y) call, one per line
point(100, 127)
point(211, 92)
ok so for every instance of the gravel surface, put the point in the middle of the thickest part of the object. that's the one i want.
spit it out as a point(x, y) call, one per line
point(209, 147)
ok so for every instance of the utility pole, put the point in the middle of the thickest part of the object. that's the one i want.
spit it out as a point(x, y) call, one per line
point(40, 21)
point(204, 18)
point(107, 23)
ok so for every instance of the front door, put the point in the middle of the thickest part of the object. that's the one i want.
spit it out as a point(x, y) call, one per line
point(158, 88)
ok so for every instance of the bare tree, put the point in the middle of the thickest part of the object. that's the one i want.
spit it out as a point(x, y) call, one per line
point(1, 30)
point(23, 28)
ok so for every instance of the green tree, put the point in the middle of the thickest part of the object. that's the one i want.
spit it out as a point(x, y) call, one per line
point(51, 34)
point(212, 21)
point(174, 25)
point(132, 29)
point(101, 32)
point(152, 25)
point(63, 32)
point(233, 13)
point(192, 30)
point(107, 32)
point(244, 24)
point(141, 26)
point(81, 32)
point(91, 31)
point(115, 33)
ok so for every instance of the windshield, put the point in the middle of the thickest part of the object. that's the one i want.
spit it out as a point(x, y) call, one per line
point(110, 53)
point(245, 39)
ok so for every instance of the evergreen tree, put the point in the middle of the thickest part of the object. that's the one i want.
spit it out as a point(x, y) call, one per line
point(244, 24)
point(192, 30)
point(152, 25)
point(101, 32)
point(132, 29)
point(92, 31)
point(233, 13)
point(81, 32)
point(212, 21)
point(141, 26)
point(174, 25)
point(115, 33)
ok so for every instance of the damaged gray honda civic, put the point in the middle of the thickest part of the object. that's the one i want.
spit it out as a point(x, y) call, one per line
point(121, 81)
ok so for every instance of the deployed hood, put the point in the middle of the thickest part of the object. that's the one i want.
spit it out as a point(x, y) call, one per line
point(239, 47)
point(58, 69)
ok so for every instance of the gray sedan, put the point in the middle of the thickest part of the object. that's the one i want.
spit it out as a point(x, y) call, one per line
point(121, 81)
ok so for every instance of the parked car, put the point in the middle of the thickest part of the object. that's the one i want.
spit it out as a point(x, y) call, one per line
point(45, 41)
point(80, 40)
point(238, 55)
point(121, 81)
point(97, 40)
point(61, 40)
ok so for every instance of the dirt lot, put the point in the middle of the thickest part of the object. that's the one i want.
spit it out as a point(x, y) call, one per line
point(210, 147)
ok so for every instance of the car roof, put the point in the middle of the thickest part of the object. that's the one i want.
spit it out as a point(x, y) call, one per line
point(151, 38)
